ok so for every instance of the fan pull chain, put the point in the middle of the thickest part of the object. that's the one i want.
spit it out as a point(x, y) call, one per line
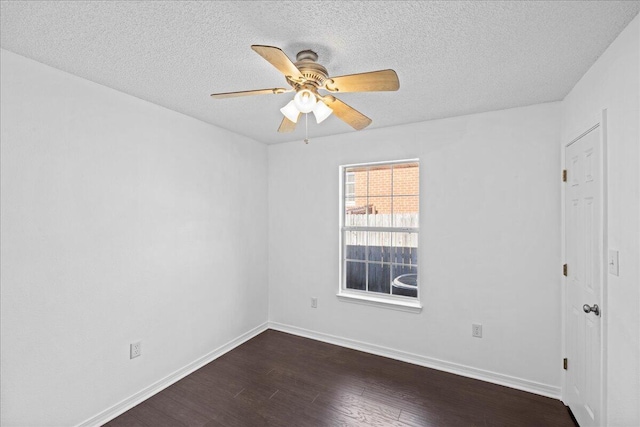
point(306, 128)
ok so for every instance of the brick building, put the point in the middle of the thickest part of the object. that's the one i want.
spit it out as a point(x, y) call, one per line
point(384, 189)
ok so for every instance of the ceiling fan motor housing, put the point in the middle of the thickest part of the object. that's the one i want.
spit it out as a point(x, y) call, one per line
point(314, 73)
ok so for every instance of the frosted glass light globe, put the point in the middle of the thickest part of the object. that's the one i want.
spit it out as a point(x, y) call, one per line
point(305, 100)
point(290, 111)
point(321, 111)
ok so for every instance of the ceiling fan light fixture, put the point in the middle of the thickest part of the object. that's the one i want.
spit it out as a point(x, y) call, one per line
point(307, 77)
point(305, 100)
point(321, 111)
point(290, 111)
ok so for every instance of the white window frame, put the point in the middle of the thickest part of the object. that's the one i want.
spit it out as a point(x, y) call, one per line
point(398, 302)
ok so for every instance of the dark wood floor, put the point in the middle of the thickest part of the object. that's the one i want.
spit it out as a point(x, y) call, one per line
point(277, 379)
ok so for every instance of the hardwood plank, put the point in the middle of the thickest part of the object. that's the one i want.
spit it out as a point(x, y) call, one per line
point(426, 419)
point(153, 418)
point(350, 404)
point(214, 423)
point(311, 415)
point(189, 416)
point(221, 407)
point(125, 420)
point(190, 401)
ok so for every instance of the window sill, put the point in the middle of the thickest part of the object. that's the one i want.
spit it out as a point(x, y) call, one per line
point(402, 305)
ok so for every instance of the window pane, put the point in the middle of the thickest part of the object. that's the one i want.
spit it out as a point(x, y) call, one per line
point(380, 212)
point(379, 279)
point(350, 177)
point(350, 190)
point(355, 212)
point(405, 248)
point(355, 244)
point(405, 211)
point(356, 182)
point(405, 280)
point(356, 275)
point(379, 246)
point(380, 181)
point(406, 180)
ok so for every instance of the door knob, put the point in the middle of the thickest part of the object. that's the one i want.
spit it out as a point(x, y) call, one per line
point(595, 309)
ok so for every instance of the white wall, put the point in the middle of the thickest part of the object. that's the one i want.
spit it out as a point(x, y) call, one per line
point(121, 221)
point(489, 247)
point(612, 83)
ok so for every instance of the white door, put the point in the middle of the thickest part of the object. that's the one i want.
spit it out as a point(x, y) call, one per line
point(584, 258)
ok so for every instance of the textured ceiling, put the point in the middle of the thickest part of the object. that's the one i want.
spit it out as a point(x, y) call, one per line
point(452, 58)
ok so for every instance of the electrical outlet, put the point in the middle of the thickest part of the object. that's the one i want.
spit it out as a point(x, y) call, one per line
point(135, 349)
point(476, 330)
point(314, 302)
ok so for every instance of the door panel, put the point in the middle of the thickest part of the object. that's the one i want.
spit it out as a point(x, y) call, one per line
point(583, 239)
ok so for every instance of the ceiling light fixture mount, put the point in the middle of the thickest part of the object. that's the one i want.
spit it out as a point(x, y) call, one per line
point(307, 77)
point(313, 73)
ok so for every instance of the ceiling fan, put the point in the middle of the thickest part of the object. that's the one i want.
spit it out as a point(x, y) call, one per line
point(306, 78)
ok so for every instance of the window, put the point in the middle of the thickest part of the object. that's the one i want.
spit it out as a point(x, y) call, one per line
point(379, 232)
point(349, 188)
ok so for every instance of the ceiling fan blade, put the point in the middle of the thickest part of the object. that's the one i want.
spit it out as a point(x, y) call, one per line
point(373, 81)
point(276, 91)
point(278, 59)
point(287, 125)
point(347, 114)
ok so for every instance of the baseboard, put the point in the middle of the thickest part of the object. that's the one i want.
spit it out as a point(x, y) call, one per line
point(128, 403)
point(441, 365)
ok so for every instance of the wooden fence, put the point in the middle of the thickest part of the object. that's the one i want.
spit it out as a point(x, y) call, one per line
point(382, 238)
